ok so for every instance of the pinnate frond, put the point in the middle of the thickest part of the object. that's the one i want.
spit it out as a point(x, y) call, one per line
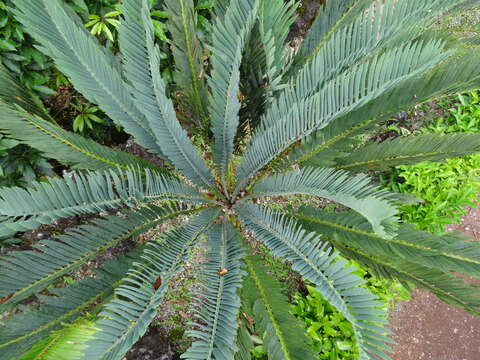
point(229, 35)
point(457, 73)
point(265, 58)
point(14, 94)
point(244, 343)
point(64, 344)
point(188, 54)
point(448, 252)
point(93, 71)
point(331, 17)
point(24, 273)
point(449, 288)
point(316, 261)
point(68, 148)
point(355, 192)
point(348, 32)
point(413, 255)
point(126, 317)
point(142, 68)
point(349, 91)
point(35, 325)
point(85, 193)
point(409, 150)
point(283, 336)
point(215, 321)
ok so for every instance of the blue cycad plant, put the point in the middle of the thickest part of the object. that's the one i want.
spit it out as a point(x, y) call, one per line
point(282, 123)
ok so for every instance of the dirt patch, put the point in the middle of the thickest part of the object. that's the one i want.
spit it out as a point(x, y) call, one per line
point(426, 328)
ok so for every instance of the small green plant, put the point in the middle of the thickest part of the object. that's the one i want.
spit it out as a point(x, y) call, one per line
point(445, 189)
point(103, 25)
point(86, 116)
point(464, 116)
point(21, 165)
point(329, 334)
point(19, 55)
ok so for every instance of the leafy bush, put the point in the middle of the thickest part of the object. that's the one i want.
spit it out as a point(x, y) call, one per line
point(464, 116)
point(445, 188)
point(329, 333)
point(299, 132)
point(22, 165)
point(19, 55)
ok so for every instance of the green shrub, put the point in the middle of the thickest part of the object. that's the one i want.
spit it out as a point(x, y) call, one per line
point(18, 54)
point(445, 188)
point(330, 334)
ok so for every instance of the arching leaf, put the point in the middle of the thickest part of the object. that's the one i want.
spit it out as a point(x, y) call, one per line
point(317, 262)
point(283, 336)
point(21, 209)
point(36, 325)
point(215, 321)
point(228, 39)
point(127, 317)
point(188, 54)
point(142, 68)
point(92, 70)
point(409, 150)
point(24, 273)
point(340, 96)
point(66, 147)
point(357, 193)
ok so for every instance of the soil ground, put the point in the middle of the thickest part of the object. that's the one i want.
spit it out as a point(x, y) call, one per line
point(425, 328)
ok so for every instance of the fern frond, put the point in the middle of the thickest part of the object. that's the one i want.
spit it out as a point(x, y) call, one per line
point(244, 343)
point(331, 17)
point(445, 253)
point(447, 287)
point(22, 210)
point(142, 68)
point(357, 193)
point(458, 73)
point(317, 262)
point(188, 56)
point(409, 150)
point(66, 147)
point(65, 305)
point(352, 89)
point(229, 35)
point(265, 57)
point(448, 253)
point(127, 317)
point(215, 323)
point(65, 344)
point(89, 67)
point(23, 273)
point(283, 337)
